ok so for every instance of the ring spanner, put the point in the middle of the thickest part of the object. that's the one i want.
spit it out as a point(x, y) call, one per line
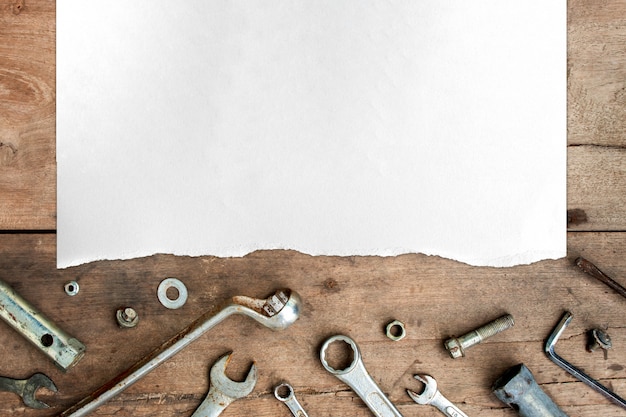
point(549, 349)
point(357, 378)
point(277, 312)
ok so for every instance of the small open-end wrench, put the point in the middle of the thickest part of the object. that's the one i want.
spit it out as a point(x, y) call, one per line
point(284, 393)
point(224, 390)
point(27, 388)
point(432, 396)
point(278, 311)
point(357, 378)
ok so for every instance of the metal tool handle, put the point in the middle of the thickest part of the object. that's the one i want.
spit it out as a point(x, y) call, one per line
point(212, 405)
point(59, 346)
point(289, 399)
point(357, 378)
point(446, 406)
point(287, 303)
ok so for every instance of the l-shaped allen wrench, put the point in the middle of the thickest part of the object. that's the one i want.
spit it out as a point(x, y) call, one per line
point(549, 349)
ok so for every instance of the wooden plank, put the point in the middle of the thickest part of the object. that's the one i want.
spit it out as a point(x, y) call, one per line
point(356, 296)
point(597, 72)
point(597, 185)
point(27, 115)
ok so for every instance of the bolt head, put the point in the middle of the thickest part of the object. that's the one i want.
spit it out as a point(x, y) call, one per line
point(453, 346)
point(127, 317)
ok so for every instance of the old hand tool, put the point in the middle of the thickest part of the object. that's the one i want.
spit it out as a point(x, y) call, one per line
point(223, 390)
point(27, 388)
point(357, 378)
point(549, 349)
point(432, 396)
point(284, 393)
point(278, 311)
point(59, 346)
point(518, 389)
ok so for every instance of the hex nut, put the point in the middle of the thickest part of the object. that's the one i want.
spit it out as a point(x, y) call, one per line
point(127, 317)
point(71, 288)
point(395, 330)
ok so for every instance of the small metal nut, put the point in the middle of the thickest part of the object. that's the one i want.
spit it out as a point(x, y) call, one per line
point(598, 338)
point(454, 347)
point(71, 288)
point(127, 317)
point(395, 330)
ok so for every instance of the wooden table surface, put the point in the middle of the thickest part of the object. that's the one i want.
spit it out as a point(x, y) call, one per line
point(356, 296)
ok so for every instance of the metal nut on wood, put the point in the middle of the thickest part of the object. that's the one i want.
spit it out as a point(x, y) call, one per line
point(71, 288)
point(127, 317)
point(395, 330)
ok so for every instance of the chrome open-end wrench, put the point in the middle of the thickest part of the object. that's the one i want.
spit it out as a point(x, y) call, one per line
point(357, 378)
point(284, 393)
point(549, 349)
point(27, 388)
point(432, 396)
point(224, 390)
point(278, 311)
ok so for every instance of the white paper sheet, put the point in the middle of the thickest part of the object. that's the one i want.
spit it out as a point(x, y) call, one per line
point(329, 127)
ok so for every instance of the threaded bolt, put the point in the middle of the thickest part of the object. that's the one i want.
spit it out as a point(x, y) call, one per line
point(127, 317)
point(456, 345)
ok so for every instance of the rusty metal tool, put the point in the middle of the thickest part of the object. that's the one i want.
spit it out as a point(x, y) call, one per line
point(278, 311)
point(27, 388)
point(518, 389)
point(576, 372)
point(432, 396)
point(284, 393)
point(595, 272)
point(59, 346)
point(224, 390)
point(357, 378)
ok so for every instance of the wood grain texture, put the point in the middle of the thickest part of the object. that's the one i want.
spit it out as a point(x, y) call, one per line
point(27, 115)
point(597, 72)
point(596, 183)
point(357, 296)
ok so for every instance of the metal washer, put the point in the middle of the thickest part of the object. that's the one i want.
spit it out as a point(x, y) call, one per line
point(165, 300)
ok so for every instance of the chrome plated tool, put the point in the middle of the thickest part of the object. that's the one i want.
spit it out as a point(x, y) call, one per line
point(357, 378)
point(549, 349)
point(284, 393)
point(224, 390)
point(278, 311)
point(432, 396)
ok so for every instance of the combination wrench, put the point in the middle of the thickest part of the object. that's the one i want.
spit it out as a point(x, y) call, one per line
point(357, 378)
point(432, 396)
point(224, 390)
point(284, 393)
point(278, 311)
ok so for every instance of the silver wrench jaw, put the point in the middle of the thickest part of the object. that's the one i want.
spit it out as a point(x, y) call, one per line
point(224, 390)
point(429, 392)
point(574, 371)
point(227, 386)
point(278, 311)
